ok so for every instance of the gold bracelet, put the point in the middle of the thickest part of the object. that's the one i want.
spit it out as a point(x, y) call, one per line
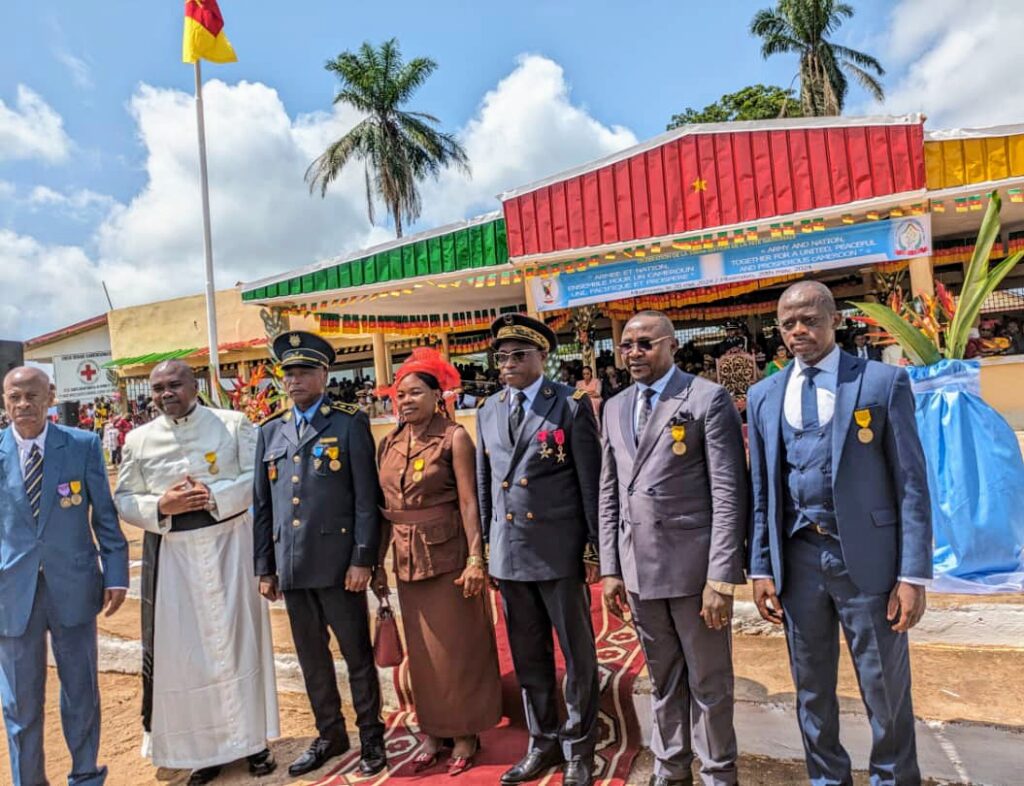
point(476, 562)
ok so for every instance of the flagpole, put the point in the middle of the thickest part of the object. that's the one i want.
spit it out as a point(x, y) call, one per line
point(211, 296)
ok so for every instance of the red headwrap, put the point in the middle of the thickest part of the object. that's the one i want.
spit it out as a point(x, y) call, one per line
point(425, 360)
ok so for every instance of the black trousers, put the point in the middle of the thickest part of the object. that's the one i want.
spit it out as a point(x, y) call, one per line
point(311, 612)
point(532, 609)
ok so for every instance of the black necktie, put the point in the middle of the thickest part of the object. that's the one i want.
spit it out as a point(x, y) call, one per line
point(515, 418)
point(645, 413)
point(809, 398)
point(34, 479)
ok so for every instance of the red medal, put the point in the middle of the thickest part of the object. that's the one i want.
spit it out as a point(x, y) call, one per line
point(560, 441)
point(545, 449)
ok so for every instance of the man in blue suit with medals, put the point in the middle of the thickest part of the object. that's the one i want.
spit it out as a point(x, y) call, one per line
point(54, 499)
point(841, 533)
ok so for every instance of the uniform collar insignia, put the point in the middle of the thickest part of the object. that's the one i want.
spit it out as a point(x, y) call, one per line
point(325, 409)
point(548, 392)
point(287, 416)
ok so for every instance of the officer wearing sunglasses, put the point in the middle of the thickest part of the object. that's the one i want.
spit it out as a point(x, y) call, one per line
point(538, 470)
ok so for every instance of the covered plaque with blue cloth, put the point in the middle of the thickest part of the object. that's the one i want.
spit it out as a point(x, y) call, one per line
point(975, 478)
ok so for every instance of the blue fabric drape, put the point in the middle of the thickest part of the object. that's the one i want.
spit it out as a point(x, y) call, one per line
point(975, 478)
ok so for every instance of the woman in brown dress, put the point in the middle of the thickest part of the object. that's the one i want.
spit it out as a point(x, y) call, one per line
point(428, 476)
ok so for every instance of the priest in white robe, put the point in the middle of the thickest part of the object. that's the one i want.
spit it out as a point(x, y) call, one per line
point(186, 478)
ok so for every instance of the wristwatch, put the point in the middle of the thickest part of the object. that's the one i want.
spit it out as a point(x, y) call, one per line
point(722, 587)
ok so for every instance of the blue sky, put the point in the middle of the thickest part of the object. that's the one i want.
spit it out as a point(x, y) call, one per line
point(112, 89)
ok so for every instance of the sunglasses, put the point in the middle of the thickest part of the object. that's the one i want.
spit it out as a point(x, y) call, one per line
point(642, 344)
point(516, 356)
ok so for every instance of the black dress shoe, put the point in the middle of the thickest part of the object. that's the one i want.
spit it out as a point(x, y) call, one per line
point(532, 766)
point(203, 775)
point(262, 763)
point(319, 751)
point(578, 772)
point(372, 758)
point(661, 780)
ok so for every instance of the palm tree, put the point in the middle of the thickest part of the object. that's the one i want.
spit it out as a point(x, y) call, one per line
point(806, 27)
point(398, 148)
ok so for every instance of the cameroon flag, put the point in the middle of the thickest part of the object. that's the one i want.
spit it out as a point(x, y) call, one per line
point(204, 34)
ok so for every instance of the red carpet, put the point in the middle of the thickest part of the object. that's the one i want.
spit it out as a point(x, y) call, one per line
point(619, 660)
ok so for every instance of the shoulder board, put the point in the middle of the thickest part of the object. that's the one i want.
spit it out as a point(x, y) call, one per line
point(269, 418)
point(348, 409)
point(580, 393)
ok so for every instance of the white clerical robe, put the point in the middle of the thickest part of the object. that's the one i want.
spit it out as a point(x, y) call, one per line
point(214, 694)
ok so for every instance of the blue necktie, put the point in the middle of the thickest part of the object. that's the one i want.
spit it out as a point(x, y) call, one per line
point(809, 398)
point(34, 479)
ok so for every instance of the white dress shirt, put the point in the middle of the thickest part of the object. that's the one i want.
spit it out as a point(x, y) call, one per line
point(531, 392)
point(658, 387)
point(862, 352)
point(25, 445)
point(825, 383)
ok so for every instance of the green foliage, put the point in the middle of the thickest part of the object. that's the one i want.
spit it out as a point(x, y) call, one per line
point(397, 147)
point(979, 281)
point(756, 102)
point(915, 344)
point(936, 327)
point(806, 27)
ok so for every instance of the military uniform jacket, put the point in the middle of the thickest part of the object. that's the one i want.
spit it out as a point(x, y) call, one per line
point(538, 494)
point(315, 499)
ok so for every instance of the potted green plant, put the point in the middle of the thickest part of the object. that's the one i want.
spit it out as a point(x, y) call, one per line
point(975, 471)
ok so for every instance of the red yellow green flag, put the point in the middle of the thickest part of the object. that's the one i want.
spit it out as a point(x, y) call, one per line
point(204, 34)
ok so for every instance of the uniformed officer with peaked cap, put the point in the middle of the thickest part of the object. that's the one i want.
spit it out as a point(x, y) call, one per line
point(317, 536)
point(538, 475)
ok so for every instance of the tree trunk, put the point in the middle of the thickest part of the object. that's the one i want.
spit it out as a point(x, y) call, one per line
point(396, 213)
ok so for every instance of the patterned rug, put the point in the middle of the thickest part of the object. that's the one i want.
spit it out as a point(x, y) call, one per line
point(619, 659)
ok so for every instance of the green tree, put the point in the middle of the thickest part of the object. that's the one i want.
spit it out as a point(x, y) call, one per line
point(757, 102)
point(398, 148)
point(806, 27)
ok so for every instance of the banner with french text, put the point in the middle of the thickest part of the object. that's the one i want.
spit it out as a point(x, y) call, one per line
point(863, 244)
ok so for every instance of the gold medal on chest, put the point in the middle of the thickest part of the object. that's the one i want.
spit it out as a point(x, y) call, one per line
point(863, 418)
point(332, 453)
point(211, 461)
point(678, 435)
point(417, 467)
point(76, 492)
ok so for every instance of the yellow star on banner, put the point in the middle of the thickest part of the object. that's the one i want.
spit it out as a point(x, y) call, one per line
point(700, 185)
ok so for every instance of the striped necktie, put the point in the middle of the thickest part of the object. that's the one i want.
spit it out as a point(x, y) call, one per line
point(34, 479)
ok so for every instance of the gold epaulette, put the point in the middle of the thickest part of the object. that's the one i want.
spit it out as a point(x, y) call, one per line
point(348, 409)
point(580, 393)
point(273, 415)
point(480, 402)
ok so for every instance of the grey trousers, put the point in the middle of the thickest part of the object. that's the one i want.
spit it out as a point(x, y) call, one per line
point(692, 680)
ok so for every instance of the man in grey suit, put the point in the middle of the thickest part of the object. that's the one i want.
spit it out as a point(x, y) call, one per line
point(841, 533)
point(673, 512)
point(538, 470)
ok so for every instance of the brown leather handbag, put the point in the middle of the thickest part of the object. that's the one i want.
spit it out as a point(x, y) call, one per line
point(388, 652)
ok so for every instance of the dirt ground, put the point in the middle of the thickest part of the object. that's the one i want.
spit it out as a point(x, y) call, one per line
point(119, 748)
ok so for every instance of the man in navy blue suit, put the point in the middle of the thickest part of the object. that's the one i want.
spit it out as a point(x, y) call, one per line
point(54, 498)
point(841, 533)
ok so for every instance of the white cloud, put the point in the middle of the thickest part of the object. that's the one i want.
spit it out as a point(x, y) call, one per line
point(80, 204)
point(44, 286)
point(526, 128)
point(7, 190)
point(958, 61)
point(32, 129)
point(264, 219)
point(81, 73)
